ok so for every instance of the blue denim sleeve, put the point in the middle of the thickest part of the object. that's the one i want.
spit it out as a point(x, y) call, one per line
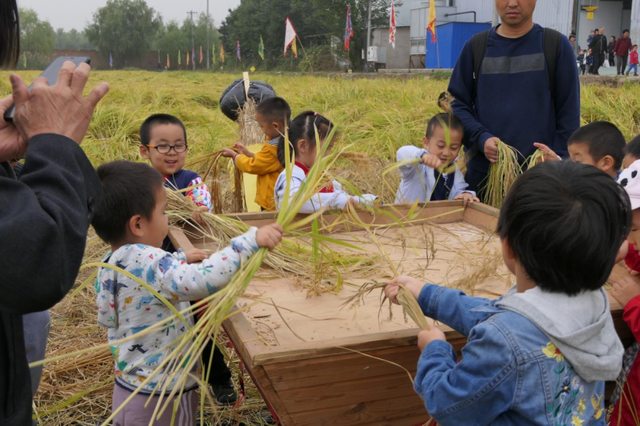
point(452, 307)
point(483, 382)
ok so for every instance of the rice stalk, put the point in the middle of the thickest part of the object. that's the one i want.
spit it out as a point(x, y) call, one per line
point(502, 175)
point(535, 158)
point(294, 255)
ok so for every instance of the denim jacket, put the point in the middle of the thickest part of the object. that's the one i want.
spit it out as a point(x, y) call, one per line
point(510, 372)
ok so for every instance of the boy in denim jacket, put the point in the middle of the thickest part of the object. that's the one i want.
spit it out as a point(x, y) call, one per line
point(540, 354)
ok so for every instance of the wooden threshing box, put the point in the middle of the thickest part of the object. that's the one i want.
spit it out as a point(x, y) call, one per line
point(317, 362)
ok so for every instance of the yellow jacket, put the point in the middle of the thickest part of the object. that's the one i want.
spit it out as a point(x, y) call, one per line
point(265, 164)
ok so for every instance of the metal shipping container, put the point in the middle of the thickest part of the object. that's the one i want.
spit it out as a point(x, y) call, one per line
point(451, 38)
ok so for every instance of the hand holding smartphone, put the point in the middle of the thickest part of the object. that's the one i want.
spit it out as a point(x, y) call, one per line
point(51, 74)
point(61, 109)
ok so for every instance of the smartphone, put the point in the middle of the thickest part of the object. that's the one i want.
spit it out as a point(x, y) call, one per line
point(51, 74)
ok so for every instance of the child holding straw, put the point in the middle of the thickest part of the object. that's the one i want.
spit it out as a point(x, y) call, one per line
point(304, 132)
point(626, 398)
point(434, 176)
point(139, 294)
point(272, 115)
point(542, 353)
point(163, 140)
point(599, 144)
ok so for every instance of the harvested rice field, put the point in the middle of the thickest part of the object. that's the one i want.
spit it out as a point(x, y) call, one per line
point(374, 118)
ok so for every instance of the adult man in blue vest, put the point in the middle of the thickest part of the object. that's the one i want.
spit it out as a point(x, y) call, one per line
point(516, 83)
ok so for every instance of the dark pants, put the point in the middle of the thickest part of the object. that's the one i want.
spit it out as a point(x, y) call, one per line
point(621, 64)
point(477, 181)
point(583, 68)
point(598, 60)
point(220, 372)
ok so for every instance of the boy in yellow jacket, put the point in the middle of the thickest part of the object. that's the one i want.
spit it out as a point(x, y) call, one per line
point(272, 115)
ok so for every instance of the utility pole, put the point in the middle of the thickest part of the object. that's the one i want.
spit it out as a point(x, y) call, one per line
point(193, 46)
point(208, 39)
point(366, 57)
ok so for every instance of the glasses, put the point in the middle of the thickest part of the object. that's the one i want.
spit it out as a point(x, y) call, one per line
point(165, 149)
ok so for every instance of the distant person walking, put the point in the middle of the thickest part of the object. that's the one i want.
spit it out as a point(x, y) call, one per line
point(622, 48)
point(511, 94)
point(610, 51)
point(598, 46)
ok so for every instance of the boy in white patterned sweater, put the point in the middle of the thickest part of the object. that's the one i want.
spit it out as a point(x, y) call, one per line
point(130, 217)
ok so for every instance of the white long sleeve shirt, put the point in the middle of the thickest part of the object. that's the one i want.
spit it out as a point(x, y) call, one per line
point(126, 308)
point(335, 200)
point(418, 180)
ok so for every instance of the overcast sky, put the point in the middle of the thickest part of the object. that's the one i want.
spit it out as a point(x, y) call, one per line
point(76, 14)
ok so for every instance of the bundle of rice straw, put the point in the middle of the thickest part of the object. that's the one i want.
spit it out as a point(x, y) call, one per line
point(250, 132)
point(502, 175)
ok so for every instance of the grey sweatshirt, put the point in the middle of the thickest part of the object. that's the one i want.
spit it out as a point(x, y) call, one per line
point(580, 326)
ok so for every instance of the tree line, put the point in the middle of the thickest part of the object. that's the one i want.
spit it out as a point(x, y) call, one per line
point(128, 29)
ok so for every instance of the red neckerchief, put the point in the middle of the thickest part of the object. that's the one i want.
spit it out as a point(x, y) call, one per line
point(327, 189)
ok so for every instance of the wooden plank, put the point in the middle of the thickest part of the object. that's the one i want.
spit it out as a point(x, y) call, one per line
point(265, 388)
point(243, 337)
point(340, 368)
point(405, 411)
point(339, 393)
point(370, 342)
point(482, 216)
point(179, 239)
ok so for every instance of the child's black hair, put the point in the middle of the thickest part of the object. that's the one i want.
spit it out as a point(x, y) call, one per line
point(565, 223)
point(128, 189)
point(275, 109)
point(304, 127)
point(157, 119)
point(450, 120)
point(602, 138)
point(633, 148)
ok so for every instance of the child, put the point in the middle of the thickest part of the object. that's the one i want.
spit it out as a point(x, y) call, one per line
point(599, 144)
point(431, 180)
point(302, 137)
point(633, 61)
point(582, 63)
point(589, 60)
point(272, 114)
point(631, 152)
point(627, 292)
point(540, 354)
point(163, 140)
point(130, 217)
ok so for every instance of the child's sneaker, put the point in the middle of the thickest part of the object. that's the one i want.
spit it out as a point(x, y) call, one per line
point(225, 393)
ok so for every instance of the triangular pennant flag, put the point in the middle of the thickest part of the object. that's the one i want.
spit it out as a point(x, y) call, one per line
point(289, 36)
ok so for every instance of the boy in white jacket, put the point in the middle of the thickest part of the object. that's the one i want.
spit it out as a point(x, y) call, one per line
point(302, 136)
point(130, 217)
point(434, 176)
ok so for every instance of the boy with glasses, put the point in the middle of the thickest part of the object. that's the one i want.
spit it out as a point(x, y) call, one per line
point(163, 140)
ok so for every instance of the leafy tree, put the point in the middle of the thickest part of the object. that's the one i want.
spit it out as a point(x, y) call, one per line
point(173, 38)
point(125, 29)
point(73, 39)
point(36, 37)
point(253, 18)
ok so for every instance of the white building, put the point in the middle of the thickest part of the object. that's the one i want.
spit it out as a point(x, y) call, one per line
point(565, 16)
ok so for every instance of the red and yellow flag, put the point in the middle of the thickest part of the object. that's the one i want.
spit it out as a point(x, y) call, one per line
point(431, 26)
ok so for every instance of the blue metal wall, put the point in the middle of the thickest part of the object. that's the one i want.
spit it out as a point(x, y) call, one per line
point(451, 38)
